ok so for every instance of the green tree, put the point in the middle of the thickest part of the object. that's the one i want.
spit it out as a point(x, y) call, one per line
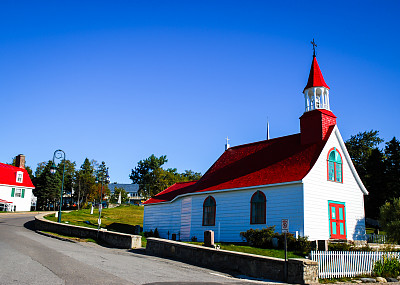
point(69, 174)
point(102, 179)
point(115, 196)
point(392, 163)
point(48, 187)
point(375, 182)
point(360, 147)
point(87, 181)
point(190, 175)
point(146, 175)
point(390, 219)
point(153, 179)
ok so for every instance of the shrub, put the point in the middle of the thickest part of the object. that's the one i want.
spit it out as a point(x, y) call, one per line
point(339, 246)
point(148, 234)
point(193, 239)
point(301, 246)
point(388, 266)
point(260, 238)
point(151, 233)
point(390, 219)
point(263, 239)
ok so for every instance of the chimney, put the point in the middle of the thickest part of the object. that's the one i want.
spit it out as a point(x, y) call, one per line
point(20, 161)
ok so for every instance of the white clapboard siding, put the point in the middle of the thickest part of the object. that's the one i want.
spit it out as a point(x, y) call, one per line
point(232, 213)
point(165, 217)
point(186, 217)
point(318, 191)
point(22, 204)
point(336, 264)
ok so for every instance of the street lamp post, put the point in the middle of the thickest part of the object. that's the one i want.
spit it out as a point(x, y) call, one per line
point(103, 179)
point(58, 154)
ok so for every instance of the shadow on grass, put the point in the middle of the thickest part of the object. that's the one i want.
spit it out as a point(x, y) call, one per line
point(121, 228)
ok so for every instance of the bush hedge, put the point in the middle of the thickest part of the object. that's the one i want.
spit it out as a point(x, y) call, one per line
point(262, 238)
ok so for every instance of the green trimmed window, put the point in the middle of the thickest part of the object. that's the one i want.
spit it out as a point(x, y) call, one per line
point(335, 168)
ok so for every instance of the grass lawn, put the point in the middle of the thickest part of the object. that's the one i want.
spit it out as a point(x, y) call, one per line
point(279, 253)
point(72, 238)
point(119, 218)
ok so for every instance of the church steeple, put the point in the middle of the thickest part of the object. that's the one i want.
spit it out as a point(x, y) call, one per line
point(316, 92)
point(317, 117)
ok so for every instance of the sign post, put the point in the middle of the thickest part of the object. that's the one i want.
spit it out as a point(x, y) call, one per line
point(285, 230)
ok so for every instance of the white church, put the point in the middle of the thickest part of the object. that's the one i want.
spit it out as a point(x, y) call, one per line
point(307, 178)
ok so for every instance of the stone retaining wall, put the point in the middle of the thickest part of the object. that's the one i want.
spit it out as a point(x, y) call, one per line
point(113, 239)
point(300, 271)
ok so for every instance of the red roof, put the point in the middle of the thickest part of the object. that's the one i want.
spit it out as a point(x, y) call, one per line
point(171, 192)
point(8, 176)
point(273, 161)
point(315, 79)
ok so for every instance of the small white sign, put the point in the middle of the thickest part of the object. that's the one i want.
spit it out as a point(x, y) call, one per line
point(99, 222)
point(285, 225)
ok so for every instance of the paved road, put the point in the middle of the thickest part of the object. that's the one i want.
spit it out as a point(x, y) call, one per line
point(27, 257)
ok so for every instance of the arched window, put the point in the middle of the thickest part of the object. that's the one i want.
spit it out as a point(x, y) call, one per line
point(258, 207)
point(209, 211)
point(335, 168)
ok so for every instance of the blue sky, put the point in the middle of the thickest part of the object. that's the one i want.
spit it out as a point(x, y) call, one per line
point(117, 81)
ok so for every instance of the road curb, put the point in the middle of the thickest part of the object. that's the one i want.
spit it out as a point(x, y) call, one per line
point(57, 237)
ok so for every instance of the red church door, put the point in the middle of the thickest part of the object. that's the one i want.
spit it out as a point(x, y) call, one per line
point(337, 220)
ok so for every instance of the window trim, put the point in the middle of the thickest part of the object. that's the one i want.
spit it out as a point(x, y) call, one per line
point(265, 209)
point(334, 166)
point(19, 177)
point(214, 211)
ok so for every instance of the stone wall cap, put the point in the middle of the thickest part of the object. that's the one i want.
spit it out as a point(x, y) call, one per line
point(228, 252)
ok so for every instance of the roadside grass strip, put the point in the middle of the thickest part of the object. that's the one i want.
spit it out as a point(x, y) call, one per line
point(278, 253)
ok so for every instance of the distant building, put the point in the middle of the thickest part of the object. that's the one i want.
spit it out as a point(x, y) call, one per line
point(131, 189)
point(15, 186)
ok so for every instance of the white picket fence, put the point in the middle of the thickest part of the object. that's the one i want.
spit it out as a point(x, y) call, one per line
point(335, 264)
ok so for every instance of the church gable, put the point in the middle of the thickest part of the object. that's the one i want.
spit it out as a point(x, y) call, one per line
point(334, 164)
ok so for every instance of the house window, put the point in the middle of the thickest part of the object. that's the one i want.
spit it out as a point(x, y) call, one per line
point(258, 208)
point(209, 211)
point(20, 176)
point(335, 168)
point(18, 192)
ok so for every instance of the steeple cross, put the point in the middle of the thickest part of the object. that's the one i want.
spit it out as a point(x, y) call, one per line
point(314, 46)
point(227, 140)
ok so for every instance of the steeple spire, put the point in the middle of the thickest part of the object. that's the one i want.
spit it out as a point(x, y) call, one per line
point(314, 46)
point(316, 92)
point(317, 118)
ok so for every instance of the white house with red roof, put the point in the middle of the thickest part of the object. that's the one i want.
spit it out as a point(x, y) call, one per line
point(308, 178)
point(15, 186)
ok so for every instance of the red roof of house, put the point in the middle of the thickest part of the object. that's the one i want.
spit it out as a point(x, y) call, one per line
point(8, 176)
point(315, 79)
point(273, 161)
